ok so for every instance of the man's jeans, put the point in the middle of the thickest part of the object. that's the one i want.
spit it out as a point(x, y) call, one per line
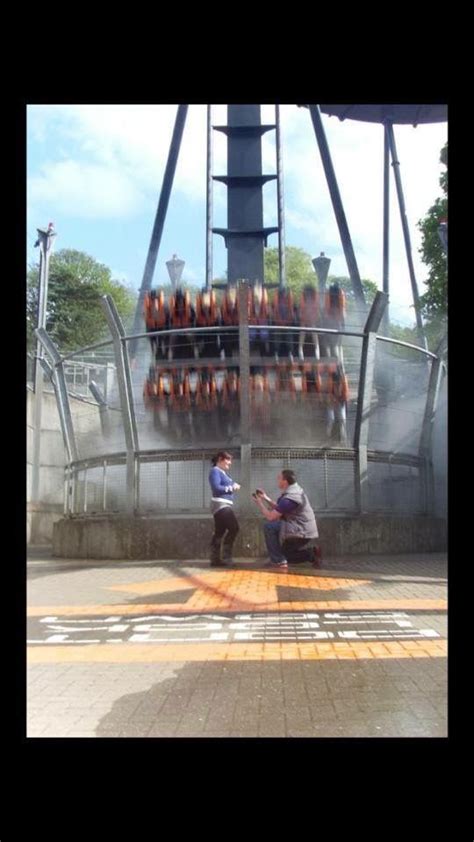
point(271, 531)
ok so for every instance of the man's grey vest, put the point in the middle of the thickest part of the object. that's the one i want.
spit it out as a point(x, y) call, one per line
point(301, 522)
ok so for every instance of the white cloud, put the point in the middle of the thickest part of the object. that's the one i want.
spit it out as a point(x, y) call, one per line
point(85, 190)
point(357, 155)
point(133, 140)
point(108, 161)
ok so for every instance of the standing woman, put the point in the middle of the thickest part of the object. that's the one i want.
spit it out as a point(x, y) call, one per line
point(222, 503)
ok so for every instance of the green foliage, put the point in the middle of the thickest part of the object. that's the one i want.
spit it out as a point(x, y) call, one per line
point(300, 272)
point(434, 332)
point(370, 288)
point(405, 334)
point(299, 269)
point(74, 314)
point(434, 301)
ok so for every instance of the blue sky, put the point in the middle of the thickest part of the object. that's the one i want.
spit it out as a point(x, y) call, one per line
point(96, 172)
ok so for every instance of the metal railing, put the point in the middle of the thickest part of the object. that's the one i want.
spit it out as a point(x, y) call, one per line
point(79, 375)
point(357, 476)
point(176, 482)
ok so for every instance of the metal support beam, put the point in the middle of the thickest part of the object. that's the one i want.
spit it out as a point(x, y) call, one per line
point(364, 396)
point(66, 491)
point(48, 370)
point(246, 478)
point(377, 311)
point(337, 203)
point(159, 219)
point(126, 395)
point(361, 431)
point(361, 480)
point(244, 362)
point(62, 397)
point(326, 482)
point(386, 223)
point(364, 399)
point(426, 438)
point(45, 243)
point(245, 235)
point(209, 202)
point(406, 232)
point(281, 214)
point(103, 408)
point(434, 385)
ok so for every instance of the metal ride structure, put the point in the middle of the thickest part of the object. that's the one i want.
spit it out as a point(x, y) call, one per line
point(309, 383)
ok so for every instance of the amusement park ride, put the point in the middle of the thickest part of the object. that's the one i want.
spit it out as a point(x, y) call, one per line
point(193, 381)
point(277, 378)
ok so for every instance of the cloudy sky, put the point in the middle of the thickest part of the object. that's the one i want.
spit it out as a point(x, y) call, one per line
point(96, 172)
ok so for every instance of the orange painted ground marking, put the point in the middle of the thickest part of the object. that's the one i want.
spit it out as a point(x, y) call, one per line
point(152, 653)
point(235, 590)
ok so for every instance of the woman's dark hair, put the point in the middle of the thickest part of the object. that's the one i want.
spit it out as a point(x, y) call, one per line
point(290, 476)
point(223, 454)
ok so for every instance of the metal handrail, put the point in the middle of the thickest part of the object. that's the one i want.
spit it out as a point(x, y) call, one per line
point(174, 455)
point(219, 329)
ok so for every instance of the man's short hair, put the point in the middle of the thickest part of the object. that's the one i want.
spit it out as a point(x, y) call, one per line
point(289, 476)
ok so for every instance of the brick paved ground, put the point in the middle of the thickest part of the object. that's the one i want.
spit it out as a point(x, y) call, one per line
point(357, 649)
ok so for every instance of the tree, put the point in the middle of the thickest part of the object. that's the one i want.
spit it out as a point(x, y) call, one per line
point(370, 288)
point(405, 334)
point(434, 301)
point(299, 269)
point(74, 316)
point(300, 272)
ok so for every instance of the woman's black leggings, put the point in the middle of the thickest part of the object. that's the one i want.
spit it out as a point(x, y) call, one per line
point(224, 522)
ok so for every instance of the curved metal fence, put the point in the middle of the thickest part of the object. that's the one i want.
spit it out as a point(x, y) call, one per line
point(143, 441)
point(176, 482)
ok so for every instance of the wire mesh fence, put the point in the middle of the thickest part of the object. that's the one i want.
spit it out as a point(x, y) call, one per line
point(400, 388)
point(182, 396)
point(177, 482)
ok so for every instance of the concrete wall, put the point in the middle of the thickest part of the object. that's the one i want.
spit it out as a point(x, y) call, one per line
point(187, 536)
point(42, 515)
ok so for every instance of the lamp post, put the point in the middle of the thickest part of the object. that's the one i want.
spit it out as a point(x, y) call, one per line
point(45, 242)
point(175, 268)
point(321, 265)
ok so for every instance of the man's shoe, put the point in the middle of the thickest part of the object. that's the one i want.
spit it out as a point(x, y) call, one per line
point(317, 559)
point(218, 564)
point(277, 565)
